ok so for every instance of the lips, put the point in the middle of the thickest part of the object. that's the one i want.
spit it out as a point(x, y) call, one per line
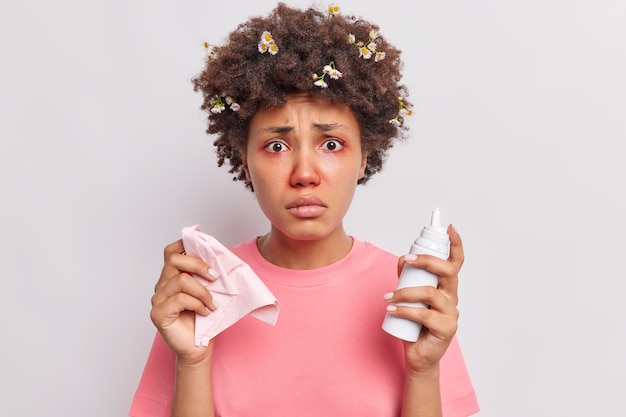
point(307, 207)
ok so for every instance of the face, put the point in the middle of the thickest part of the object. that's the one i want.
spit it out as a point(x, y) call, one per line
point(304, 160)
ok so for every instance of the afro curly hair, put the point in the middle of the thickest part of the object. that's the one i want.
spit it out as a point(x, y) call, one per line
point(307, 41)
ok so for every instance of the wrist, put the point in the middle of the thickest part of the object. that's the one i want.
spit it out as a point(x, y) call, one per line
point(198, 359)
point(430, 373)
point(422, 396)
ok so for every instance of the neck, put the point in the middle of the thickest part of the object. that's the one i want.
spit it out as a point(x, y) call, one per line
point(287, 252)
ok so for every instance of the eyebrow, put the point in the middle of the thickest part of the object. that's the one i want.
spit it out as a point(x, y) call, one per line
point(324, 127)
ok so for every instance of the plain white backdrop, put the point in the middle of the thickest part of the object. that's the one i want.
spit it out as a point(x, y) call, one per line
point(518, 136)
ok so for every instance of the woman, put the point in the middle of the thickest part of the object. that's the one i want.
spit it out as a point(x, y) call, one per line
point(305, 105)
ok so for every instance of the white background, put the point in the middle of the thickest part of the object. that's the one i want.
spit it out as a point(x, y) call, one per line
point(518, 136)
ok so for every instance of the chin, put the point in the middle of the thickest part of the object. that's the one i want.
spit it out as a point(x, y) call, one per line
point(305, 232)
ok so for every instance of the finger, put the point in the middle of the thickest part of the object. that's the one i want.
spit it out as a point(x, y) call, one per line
point(175, 256)
point(176, 263)
point(440, 314)
point(449, 282)
point(167, 312)
point(457, 255)
point(446, 272)
point(401, 262)
point(173, 248)
point(192, 265)
point(432, 264)
point(442, 326)
point(426, 295)
point(184, 283)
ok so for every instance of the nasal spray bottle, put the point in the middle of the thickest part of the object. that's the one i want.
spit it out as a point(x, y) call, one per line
point(433, 240)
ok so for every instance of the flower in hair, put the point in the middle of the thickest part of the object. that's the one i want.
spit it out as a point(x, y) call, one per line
point(329, 70)
point(267, 44)
point(403, 111)
point(333, 10)
point(319, 81)
point(211, 50)
point(219, 102)
point(234, 106)
point(366, 50)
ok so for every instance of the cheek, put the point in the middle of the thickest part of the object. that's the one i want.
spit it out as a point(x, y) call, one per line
point(345, 169)
point(260, 173)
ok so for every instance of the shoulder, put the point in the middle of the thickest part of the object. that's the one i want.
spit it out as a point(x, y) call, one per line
point(244, 249)
point(373, 252)
point(369, 259)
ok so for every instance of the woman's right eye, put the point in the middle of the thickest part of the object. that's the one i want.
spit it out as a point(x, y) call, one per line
point(275, 147)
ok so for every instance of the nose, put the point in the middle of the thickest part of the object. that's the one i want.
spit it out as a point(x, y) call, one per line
point(305, 171)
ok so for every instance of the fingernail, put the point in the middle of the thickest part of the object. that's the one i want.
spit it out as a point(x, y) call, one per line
point(455, 229)
point(388, 296)
point(391, 307)
point(213, 273)
point(410, 257)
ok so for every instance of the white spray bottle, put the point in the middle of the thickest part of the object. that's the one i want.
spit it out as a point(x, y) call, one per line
point(433, 240)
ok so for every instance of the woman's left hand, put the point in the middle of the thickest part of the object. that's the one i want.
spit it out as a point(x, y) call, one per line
point(440, 321)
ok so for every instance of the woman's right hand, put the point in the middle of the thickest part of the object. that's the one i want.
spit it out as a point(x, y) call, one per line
point(177, 297)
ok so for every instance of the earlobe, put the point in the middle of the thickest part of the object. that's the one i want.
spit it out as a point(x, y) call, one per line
point(245, 168)
point(363, 166)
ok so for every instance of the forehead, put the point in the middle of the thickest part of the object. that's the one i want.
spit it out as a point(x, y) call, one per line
point(309, 106)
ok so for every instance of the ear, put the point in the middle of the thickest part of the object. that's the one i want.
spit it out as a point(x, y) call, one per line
point(363, 165)
point(244, 160)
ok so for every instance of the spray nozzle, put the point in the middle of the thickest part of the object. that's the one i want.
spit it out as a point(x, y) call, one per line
point(435, 221)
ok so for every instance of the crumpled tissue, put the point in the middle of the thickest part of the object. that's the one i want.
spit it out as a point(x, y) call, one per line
point(236, 292)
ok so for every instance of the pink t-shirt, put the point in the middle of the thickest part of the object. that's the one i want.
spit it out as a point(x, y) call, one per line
point(326, 356)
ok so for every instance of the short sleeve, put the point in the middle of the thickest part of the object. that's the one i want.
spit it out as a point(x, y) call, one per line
point(155, 391)
point(458, 397)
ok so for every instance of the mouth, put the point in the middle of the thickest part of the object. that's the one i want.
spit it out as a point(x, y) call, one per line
point(307, 207)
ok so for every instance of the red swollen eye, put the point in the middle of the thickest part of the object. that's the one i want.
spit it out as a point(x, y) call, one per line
point(333, 145)
point(275, 147)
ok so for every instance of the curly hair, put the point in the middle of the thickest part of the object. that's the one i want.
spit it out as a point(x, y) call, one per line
point(307, 40)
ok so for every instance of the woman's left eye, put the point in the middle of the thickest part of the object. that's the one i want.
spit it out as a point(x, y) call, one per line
point(333, 145)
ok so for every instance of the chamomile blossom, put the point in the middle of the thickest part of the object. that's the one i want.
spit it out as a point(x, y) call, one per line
point(211, 50)
point(319, 81)
point(403, 111)
point(329, 70)
point(232, 103)
point(333, 72)
point(369, 48)
point(267, 44)
point(219, 102)
point(395, 121)
point(365, 52)
point(218, 108)
point(333, 10)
